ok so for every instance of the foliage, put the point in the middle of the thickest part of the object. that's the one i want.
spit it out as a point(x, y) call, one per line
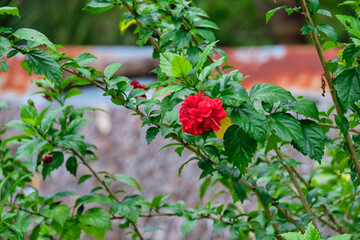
point(247, 157)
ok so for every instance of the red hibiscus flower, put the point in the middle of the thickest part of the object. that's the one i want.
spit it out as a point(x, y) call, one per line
point(199, 114)
point(136, 84)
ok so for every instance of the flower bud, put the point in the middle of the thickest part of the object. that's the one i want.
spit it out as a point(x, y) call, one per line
point(47, 158)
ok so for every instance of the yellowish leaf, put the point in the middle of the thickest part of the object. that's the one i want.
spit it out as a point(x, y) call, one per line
point(225, 124)
point(123, 25)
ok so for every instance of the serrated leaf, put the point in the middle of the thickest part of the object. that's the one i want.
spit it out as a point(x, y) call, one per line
point(60, 194)
point(127, 180)
point(324, 12)
point(311, 194)
point(314, 140)
point(205, 24)
point(218, 225)
point(33, 35)
point(55, 164)
point(328, 31)
point(165, 63)
point(348, 87)
point(250, 120)
point(187, 226)
point(234, 96)
point(28, 114)
point(342, 123)
point(239, 147)
point(151, 134)
point(127, 210)
point(28, 149)
point(96, 217)
point(270, 93)
point(182, 39)
point(111, 70)
point(204, 55)
point(304, 106)
point(39, 62)
point(48, 119)
point(307, 28)
point(4, 45)
point(311, 233)
point(350, 53)
point(287, 127)
point(169, 89)
point(9, 10)
point(73, 92)
point(180, 67)
point(208, 69)
point(84, 58)
point(240, 190)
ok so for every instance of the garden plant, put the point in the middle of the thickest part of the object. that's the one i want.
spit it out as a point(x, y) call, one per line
point(240, 138)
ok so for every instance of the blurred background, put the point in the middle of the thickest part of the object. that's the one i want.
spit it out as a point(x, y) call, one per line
point(275, 53)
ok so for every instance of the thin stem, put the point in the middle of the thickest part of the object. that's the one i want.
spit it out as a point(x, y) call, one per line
point(334, 126)
point(297, 186)
point(329, 80)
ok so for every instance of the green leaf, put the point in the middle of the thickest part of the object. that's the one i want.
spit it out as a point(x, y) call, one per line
point(84, 58)
point(307, 28)
point(35, 36)
point(60, 213)
point(348, 87)
point(71, 231)
point(28, 149)
point(314, 140)
point(60, 194)
point(311, 194)
point(3, 65)
point(9, 10)
point(311, 233)
point(208, 70)
point(127, 180)
point(93, 198)
point(341, 237)
point(350, 53)
point(240, 190)
point(328, 31)
point(239, 146)
point(99, 6)
point(4, 45)
point(187, 226)
point(263, 195)
point(96, 232)
point(28, 114)
point(218, 226)
point(207, 34)
point(182, 39)
point(292, 236)
point(169, 89)
point(205, 24)
point(270, 13)
point(151, 134)
point(304, 106)
point(111, 70)
point(270, 93)
point(58, 161)
point(204, 55)
point(287, 127)
point(324, 12)
point(83, 178)
point(342, 123)
point(314, 6)
point(76, 125)
point(40, 62)
point(171, 116)
point(180, 67)
point(73, 92)
point(48, 120)
point(127, 210)
point(118, 79)
point(74, 142)
point(96, 217)
point(165, 63)
point(71, 165)
point(250, 120)
point(234, 95)
point(204, 186)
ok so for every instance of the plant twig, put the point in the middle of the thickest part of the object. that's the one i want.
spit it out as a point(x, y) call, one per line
point(334, 126)
point(329, 80)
